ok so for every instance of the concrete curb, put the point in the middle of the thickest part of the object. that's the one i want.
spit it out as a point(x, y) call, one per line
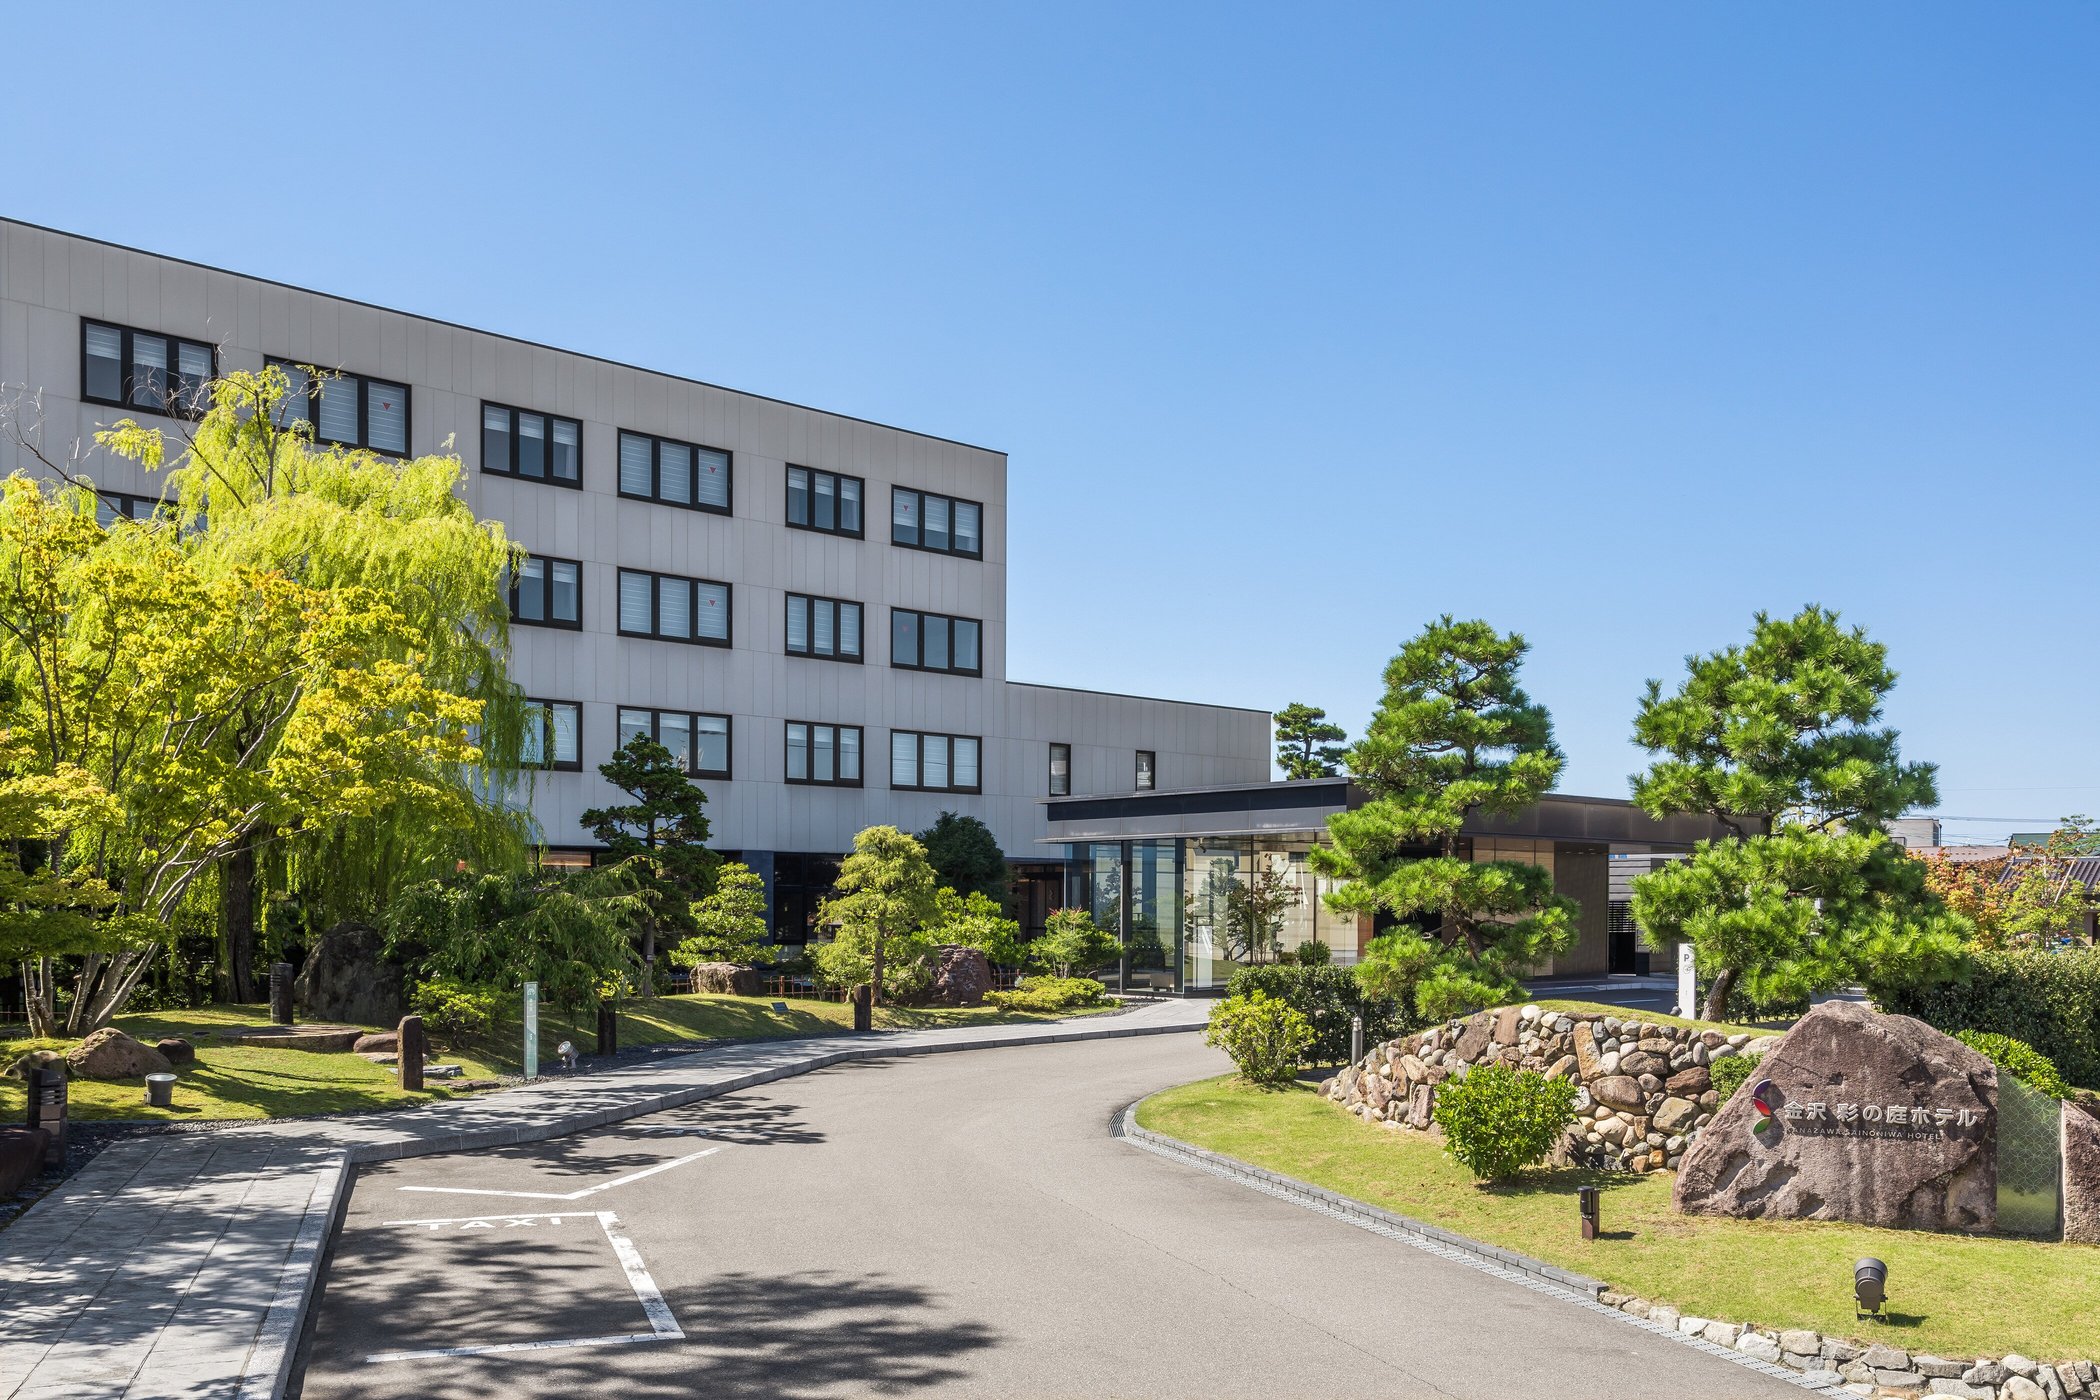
point(1126, 1126)
point(269, 1366)
point(1521, 1269)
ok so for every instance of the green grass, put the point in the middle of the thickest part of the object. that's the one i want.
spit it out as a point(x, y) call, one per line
point(244, 1081)
point(231, 1081)
point(1952, 1295)
point(1625, 1013)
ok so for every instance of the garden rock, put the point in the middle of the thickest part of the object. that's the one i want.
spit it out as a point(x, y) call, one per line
point(348, 977)
point(726, 979)
point(1986, 1373)
point(177, 1050)
point(378, 1043)
point(1829, 1153)
point(2081, 1178)
point(39, 1059)
point(961, 976)
point(21, 1157)
point(111, 1054)
point(2021, 1388)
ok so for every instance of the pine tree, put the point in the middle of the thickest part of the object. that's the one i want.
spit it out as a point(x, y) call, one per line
point(1453, 735)
point(965, 856)
point(886, 897)
point(1779, 742)
point(1307, 746)
point(662, 834)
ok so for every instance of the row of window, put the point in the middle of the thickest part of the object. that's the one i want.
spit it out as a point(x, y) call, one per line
point(167, 374)
point(549, 593)
point(824, 755)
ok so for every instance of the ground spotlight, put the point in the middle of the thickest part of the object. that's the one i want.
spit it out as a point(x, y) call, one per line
point(1870, 1287)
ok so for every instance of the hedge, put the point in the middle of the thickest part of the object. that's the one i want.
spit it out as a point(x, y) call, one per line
point(1327, 997)
point(2049, 1000)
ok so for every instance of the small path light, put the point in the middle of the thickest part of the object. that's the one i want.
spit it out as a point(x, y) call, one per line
point(1587, 1199)
point(1356, 1040)
point(567, 1051)
point(1870, 1288)
point(160, 1091)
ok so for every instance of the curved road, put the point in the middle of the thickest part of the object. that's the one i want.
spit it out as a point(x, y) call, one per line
point(958, 1224)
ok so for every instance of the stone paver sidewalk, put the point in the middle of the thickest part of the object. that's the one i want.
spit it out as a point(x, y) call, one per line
point(181, 1266)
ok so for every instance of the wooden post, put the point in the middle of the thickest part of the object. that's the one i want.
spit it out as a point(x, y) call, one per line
point(414, 1045)
point(863, 998)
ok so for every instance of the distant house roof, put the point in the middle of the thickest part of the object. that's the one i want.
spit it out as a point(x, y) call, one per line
point(1962, 855)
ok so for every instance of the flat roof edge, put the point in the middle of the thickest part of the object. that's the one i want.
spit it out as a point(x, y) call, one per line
point(1155, 699)
point(500, 335)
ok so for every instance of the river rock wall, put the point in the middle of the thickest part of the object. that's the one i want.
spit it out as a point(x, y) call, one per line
point(1646, 1087)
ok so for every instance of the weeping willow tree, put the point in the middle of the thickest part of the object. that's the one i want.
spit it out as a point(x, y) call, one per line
point(253, 491)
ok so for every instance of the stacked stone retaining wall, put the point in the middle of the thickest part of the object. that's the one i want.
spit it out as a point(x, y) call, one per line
point(1646, 1088)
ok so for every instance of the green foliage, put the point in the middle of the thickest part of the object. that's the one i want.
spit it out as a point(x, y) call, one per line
point(886, 898)
point(1314, 953)
point(662, 834)
point(1731, 1072)
point(2050, 1000)
point(570, 932)
point(1266, 1038)
point(1779, 741)
point(2020, 1060)
point(975, 920)
point(729, 922)
point(1307, 746)
point(965, 856)
point(1497, 1121)
point(1328, 997)
point(1072, 943)
point(1050, 994)
point(1453, 736)
point(455, 1010)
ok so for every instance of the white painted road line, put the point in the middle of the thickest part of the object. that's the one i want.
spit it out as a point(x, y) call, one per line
point(663, 1326)
point(564, 1195)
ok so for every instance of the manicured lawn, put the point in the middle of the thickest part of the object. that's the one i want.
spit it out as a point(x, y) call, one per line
point(231, 1081)
point(1659, 1018)
point(240, 1081)
point(1954, 1296)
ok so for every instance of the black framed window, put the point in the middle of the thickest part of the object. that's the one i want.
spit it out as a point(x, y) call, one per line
point(934, 762)
point(827, 755)
point(556, 741)
point(130, 368)
point(828, 628)
point(699, 742)
point(1147, 770)
point(349, 410)
point(112, 506)
point(1060, 770)
point(825, 501)
point(674, 608)
point(675, 473)
point(548, 593)
point(534, 446)
point(943, 524)
point(924, 641)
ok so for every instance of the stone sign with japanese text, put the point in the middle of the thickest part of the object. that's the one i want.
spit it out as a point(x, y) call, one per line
point(1855, 1116)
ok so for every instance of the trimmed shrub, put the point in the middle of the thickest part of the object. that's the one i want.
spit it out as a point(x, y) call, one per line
point(1049, 994)
point(2020, 1060)
point(2050, 1000)
point(1314, 953)
point(1729, 1074)
point(455, 1010)
point(1326, 997)
point(1265, 1037)
point(1498, 1121)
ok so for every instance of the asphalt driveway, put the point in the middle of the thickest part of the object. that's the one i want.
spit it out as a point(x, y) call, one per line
point(959, 1225)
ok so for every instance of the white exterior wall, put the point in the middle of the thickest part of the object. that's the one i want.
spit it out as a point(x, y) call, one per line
point(49, 281)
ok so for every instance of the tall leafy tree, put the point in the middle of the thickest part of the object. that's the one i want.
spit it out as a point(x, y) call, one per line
point(1453, 735)
point(975, 920)
point(887, 894)
point(662, 833)
point(1307, 745)
point(1780, 741)
point(253, 491)
point(965, 856)
point(571, 932)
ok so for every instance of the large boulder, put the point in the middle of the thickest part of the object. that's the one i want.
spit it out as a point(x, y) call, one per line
point(1876, 1119)
point(728, 979)
point(111, 1054)
point(39, 1059)
point(347, 977)
point(178, 1050)
point(961, 976)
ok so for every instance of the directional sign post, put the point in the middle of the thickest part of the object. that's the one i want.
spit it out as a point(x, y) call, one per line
point(532, 1030)
point(1687, 980)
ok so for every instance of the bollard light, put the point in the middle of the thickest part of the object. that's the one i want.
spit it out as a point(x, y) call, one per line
point(1356, 1040)
point(1870, 1288)
point(1587, 1201)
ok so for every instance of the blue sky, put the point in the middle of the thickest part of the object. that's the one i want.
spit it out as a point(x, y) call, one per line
point(1611, 324)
